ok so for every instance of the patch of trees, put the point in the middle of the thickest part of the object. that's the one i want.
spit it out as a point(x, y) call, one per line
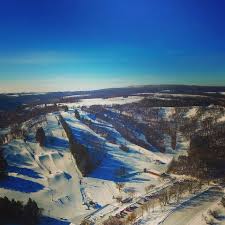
point(77, 114)
point(8, 118)
point(79, 152)
point(16, 212)
point(124, 148)
point(3, 165)
point(223, 201)
point(66, 109)
point(125, 125)
point(113, 221)
point(40, 136)
point(182, 101)
point(206, 155)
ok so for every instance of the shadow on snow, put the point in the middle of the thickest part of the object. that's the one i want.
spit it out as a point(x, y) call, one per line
point(23, 171)
point(52, 221)
point(109, 169)
point(55, 142)
point(19, 184)
point(210, 195)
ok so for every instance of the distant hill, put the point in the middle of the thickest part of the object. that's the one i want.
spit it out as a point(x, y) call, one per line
point(11, 101)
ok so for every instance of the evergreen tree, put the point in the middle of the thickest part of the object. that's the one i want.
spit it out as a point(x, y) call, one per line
point(31, 213)
point(15, 212)
point(40, 136)
point(77, 114)
point(66, 109)
point(3, 165)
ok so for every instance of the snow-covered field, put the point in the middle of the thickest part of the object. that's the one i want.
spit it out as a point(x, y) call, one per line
point(105, 101)
point(100, 185)
point(46, 174)
point(72, 96)
point(50, 175)
point(189, 211)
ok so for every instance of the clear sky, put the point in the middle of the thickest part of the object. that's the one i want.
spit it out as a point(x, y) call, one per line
point(50, 45)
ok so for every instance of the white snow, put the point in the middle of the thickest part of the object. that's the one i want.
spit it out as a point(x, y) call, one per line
point(188, 212)
point(179, 95)
point(46, 174)
point(192, 112)
point(49, 174)
point(105, 101)
point(71, 96)
point(221, 119)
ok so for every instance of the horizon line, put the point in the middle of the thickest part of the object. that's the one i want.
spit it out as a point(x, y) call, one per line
point(130, 86)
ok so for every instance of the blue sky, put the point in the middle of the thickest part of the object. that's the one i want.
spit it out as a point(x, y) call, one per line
point(50, 45)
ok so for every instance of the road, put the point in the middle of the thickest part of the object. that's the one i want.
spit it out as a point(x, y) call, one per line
point(187, 211)
point(100, 219)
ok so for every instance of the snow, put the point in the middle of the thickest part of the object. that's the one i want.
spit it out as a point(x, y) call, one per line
point(50, 176)
point(12, 95)
point(71, 96)
point(46, 174)
point(105, 101)
point(192, 112)
point(144, 93)
point(211, 92)
point(221, 119)
point(179, 95)
point(188, 212)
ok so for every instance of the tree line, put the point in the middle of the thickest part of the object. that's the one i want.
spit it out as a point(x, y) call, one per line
point(3, 165)
point(206, 154)
point(22, 114)
point(13, 211)
point(79, 152)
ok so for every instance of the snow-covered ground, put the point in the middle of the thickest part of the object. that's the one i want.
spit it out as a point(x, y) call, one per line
point(100, 184)
point(72, 96)
point(46, 174)
point(50, 176)
point(191, 211)
point(105, 101)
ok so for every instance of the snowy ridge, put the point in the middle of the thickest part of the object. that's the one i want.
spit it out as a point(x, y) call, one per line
point(51, 177)
point(48, 174)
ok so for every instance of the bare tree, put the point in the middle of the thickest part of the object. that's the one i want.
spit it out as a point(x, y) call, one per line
point(120, 186)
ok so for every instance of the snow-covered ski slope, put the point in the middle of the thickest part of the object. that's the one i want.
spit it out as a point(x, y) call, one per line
point(100, 185)
point(50, 176)
point(46, 174)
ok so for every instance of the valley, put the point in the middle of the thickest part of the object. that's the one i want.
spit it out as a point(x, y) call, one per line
point(114, 160)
